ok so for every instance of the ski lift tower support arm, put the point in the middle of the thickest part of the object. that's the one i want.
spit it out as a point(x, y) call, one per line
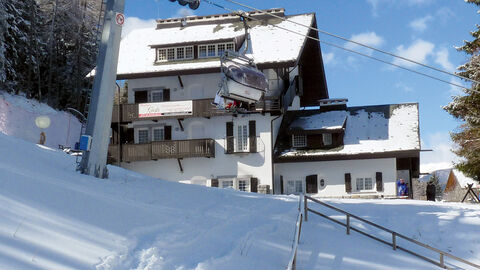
point(100, 112)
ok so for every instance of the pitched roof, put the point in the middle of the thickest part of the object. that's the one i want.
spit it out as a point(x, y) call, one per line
point(443, 175)
point(369, 130)
point(269, 44)
point(333, 120)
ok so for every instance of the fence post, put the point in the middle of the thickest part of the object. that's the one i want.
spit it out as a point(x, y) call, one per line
point(442, 263)
point(348, 224)
point(305, 199)
point(394, 241)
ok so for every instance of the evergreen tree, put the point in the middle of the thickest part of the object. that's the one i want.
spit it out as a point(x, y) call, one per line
point(467, 108)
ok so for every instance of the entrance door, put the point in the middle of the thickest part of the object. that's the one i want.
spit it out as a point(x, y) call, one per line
point(311, 183)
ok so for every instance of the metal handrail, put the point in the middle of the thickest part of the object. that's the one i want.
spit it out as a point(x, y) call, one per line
point(395, 235)
point(292, 264)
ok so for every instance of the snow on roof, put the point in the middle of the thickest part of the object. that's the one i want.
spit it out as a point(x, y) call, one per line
point(269, 44)
point(463, 180)
point(324, 121)
point(443, 175)
point(374, 129)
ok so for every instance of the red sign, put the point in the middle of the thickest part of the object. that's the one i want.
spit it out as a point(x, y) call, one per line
point(120, 19)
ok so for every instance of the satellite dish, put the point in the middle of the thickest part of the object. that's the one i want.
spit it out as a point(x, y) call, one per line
point(42, 122)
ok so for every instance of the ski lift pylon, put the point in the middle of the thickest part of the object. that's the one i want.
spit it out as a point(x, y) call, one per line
point(241, 81)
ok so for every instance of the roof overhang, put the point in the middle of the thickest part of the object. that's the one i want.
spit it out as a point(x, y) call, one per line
point(332, 157)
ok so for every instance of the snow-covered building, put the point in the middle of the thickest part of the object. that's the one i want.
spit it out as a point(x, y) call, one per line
point(335, 151)
point(170, 130)
point(452, 183)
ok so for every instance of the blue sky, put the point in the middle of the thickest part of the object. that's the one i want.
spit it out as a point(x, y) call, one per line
point(423, 30)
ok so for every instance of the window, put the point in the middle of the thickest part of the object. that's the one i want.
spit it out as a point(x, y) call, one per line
point(202, 51)
point(158, 134)
point(143, 136)
point(299, 140)
point(327, 139)
point(243, 185)
point(241, 138)
point(156, 96)
point(214, 50)
point(176, 53)
point(294, 186)
point(227, 184)
point(364, 184)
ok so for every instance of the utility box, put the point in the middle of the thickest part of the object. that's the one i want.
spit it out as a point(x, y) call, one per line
point(85, 142)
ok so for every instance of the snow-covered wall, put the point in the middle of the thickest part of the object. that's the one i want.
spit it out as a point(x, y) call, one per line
point(333, 174)
point(201, 170)
point(17, 118)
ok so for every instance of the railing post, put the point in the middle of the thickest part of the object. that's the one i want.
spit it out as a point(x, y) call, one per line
point(442, 263)
point(305, 207)
point(348, 224)
point(394, 241)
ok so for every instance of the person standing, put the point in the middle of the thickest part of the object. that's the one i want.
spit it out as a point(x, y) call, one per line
point(431, 191)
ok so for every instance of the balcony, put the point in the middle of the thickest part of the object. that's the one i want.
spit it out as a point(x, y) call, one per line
point(200, 108)
point(165, 150)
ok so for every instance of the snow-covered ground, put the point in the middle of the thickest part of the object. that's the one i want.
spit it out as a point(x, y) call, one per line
point(451, 227)
point(51, 217)
point(17, 118)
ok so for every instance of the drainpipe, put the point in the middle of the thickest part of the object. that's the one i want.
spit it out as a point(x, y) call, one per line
point(272, 151)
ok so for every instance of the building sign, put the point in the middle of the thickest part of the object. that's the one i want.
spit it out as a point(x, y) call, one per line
point(170, 108)
point(120, 19)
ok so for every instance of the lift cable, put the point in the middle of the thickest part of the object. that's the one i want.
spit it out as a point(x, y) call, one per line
point(355, 42)
point(343, 48)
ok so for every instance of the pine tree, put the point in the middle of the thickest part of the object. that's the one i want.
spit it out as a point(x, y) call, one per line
point(467, 109)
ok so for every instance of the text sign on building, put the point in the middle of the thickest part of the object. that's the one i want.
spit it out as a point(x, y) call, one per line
point(171, 108)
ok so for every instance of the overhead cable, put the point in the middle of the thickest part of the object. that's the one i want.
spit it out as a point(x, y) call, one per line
point(355, 42)
point(343, 48)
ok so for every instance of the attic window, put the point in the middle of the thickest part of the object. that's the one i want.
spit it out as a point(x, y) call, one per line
point(174, 54)
point(214, 50)
point(327, 139)
point(299, 141)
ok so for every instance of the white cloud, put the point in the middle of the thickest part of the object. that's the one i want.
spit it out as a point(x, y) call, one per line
point(132, 23)
point(441, 58)
point(441, 157)
point(420, 24)
point(367, 38)
point(404, 87)
point(183, 12)
point(417, 51)
point(329, 58)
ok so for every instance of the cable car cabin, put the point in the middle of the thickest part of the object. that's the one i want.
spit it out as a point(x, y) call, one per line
point(242, 83)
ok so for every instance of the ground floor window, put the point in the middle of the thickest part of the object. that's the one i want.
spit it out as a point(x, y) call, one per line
point(364, 183)
point(238, 184)
point(227, 184)
point(294, 186)
point(143, 136)
point(243, 185)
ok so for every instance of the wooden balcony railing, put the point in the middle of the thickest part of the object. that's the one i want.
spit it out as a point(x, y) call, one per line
point(129, 112)
point(165, 150)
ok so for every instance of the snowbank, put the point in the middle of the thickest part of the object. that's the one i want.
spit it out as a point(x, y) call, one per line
point(17, 118)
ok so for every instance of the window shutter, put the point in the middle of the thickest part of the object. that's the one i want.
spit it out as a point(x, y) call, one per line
point(166, 94)
point(281, 184)
point(141, 96)
point(230, 143)
point(252, 136)
point(214, 183)
point(379, 181)
point(348, 182)
point(311, 182)
point(253, 184)
point(168, 133)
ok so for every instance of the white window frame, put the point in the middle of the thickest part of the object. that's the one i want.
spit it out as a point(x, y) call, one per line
point(226, 45)
point(163, 54)
point(294, 186)
point(238, 138)
point(327, 139)
point(299, 141)
point(151, 93)
point(246, 186)
point(138, 135)
point(153, 134)
point(225, 181)
point(363, 186)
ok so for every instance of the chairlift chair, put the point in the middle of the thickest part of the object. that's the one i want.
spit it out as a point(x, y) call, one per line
point(242, 83)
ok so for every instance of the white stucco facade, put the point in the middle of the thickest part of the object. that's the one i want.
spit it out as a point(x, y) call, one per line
point(333, 175)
